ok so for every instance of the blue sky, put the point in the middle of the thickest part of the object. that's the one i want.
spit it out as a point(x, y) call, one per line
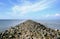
point(29, 9)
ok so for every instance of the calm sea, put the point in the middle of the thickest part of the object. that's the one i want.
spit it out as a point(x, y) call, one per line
point(53, 24)
point(5, 24)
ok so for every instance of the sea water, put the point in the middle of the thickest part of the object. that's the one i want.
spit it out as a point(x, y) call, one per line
point(5, 24)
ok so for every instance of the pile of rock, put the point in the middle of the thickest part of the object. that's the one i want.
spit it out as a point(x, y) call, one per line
point(30, 30)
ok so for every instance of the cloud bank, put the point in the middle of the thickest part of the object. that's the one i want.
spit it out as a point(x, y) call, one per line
point(28, 7)
point(24, 7)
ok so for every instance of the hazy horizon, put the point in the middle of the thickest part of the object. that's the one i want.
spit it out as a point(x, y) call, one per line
point(14, 11)
point(6, 24)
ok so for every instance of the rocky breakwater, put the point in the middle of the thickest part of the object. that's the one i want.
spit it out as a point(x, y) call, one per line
point(30, 30)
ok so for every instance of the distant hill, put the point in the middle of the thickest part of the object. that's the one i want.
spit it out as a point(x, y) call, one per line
point(30, 30)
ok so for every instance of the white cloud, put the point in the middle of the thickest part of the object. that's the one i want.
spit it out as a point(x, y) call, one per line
point(27, 7)
point(51, 15)
point(57, 14)
point(47, 15)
